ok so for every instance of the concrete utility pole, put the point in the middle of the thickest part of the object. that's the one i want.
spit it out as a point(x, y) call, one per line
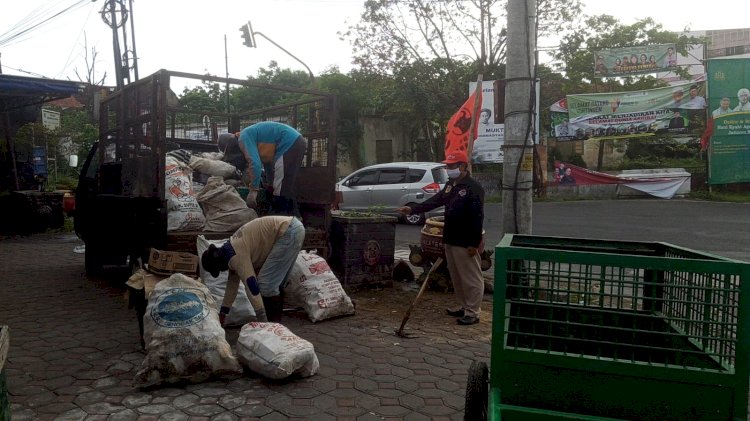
point(520, 97)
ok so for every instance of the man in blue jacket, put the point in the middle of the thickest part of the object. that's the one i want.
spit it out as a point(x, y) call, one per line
point(463, 199)
point(277, 148)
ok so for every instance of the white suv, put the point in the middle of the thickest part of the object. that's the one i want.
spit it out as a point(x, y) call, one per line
point(384, 187)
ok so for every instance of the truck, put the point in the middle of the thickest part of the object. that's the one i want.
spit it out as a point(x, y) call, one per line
point(121, 209)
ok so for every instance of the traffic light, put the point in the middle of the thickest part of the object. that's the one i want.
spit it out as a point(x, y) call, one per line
point(247, 35)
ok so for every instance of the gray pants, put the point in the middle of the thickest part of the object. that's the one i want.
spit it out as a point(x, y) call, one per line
point(466, 275)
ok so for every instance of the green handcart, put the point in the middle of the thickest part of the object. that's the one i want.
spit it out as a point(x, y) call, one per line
point(613, 330)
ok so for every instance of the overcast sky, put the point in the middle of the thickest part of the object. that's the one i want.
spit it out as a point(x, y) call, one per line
point(189, 36)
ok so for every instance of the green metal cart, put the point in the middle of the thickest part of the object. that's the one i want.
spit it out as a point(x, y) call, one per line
point(595, 329)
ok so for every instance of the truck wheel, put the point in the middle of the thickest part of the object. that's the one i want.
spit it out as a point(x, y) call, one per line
point(477, 392)
point(415, 218)
point(92, 261)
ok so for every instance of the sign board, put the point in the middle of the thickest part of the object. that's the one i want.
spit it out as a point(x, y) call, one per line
point(488, 146)
point(729, 102)
point(50, 119)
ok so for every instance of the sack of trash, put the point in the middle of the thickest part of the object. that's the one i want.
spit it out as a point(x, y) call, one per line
point(273, 351)
point(184, 340)
point(242, 310)
point(224, 209)
point(183, 211)
point(313, 286)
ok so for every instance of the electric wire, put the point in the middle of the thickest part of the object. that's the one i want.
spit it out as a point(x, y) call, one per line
point(35, 20)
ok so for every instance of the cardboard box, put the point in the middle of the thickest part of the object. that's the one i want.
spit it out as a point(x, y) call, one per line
point(169, 262)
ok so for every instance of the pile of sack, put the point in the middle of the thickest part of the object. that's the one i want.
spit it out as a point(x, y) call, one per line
point(201, 195)
point(185, 341)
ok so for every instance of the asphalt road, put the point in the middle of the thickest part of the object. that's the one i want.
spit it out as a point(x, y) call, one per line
point(714, 227)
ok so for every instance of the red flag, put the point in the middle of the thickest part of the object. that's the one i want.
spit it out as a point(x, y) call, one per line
point(458, 133)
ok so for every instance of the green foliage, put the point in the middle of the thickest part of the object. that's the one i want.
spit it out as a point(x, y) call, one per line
point(576, 54)
point(662, 148)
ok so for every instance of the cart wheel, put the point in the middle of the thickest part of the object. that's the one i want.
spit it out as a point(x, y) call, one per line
point(477, 392)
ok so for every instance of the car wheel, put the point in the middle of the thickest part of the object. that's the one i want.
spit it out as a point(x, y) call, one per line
point(414, 218)
point(477, 392)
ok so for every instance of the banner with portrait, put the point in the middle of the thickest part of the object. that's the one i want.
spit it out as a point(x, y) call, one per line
point(729, 102)
point(488, 146)
point(678, 109)
point(634, 60)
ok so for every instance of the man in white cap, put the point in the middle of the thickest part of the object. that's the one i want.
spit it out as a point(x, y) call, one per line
point(463, 199)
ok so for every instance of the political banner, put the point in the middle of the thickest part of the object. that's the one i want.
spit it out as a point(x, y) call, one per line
point(729, 102)
point(488, 146)
point(634, 60)
point(677, 109)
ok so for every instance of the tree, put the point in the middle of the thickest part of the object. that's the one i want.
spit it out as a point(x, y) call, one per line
point(397, 33)
point(576, 54)
point(90, 76)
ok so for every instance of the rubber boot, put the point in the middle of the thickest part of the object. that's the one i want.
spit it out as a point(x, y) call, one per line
point(274, 308)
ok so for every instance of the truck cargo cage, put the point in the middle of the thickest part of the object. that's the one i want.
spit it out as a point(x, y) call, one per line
point(121, 196)
point(631, 330)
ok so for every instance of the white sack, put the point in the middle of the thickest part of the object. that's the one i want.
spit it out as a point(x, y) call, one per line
point(242, 310)
point(313, 286)
point(273, 351)
point(224, 209)
point(183, 211)
point(212, 167)
point(184, 340)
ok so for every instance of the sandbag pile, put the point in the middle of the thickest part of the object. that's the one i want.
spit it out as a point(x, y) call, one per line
point(184, 340)
point(201, 193)
point(313, 286)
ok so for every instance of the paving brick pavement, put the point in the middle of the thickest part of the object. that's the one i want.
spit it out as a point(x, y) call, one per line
point(74, 351)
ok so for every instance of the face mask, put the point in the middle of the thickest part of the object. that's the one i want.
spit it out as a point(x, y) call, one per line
point(454, 173)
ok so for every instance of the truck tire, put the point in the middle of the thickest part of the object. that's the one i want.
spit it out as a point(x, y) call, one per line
point(477, 392)
point(92, 261)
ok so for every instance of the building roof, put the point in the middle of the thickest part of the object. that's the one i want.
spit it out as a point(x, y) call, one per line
point(20, 91)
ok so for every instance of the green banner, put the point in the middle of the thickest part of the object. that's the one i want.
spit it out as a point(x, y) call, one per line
point(729, 102)
point(678, 109)
point(635, 60)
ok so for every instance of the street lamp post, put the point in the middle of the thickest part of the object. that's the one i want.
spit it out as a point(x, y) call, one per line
point(249, 39)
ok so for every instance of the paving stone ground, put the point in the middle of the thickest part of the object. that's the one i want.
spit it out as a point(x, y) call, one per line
point(74, 351)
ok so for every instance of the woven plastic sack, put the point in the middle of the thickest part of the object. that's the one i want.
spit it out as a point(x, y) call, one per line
point(273, 351)
point(183, 211)
point(224, 209)
point(314, 287)
point(184, 340)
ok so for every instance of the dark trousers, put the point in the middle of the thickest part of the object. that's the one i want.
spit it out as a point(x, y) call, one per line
point(284, 201)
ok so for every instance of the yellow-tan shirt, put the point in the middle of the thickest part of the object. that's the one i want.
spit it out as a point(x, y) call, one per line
point(252, 244)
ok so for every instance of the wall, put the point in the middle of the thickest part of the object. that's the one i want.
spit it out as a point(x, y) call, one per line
point(376, 128)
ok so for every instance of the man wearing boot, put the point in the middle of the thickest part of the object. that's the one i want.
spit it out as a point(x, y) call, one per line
point(260, 254)
point(463, 199)
point(275, 147)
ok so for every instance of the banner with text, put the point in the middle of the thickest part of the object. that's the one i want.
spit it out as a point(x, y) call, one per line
point(729, 100)
point(677, 109)
point(634, 60)
point(488, 146)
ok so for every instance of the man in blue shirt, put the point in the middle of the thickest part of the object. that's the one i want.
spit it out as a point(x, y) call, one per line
point(277, 148)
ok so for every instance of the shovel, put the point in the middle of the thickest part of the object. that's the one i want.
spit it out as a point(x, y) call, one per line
point(400, 331)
